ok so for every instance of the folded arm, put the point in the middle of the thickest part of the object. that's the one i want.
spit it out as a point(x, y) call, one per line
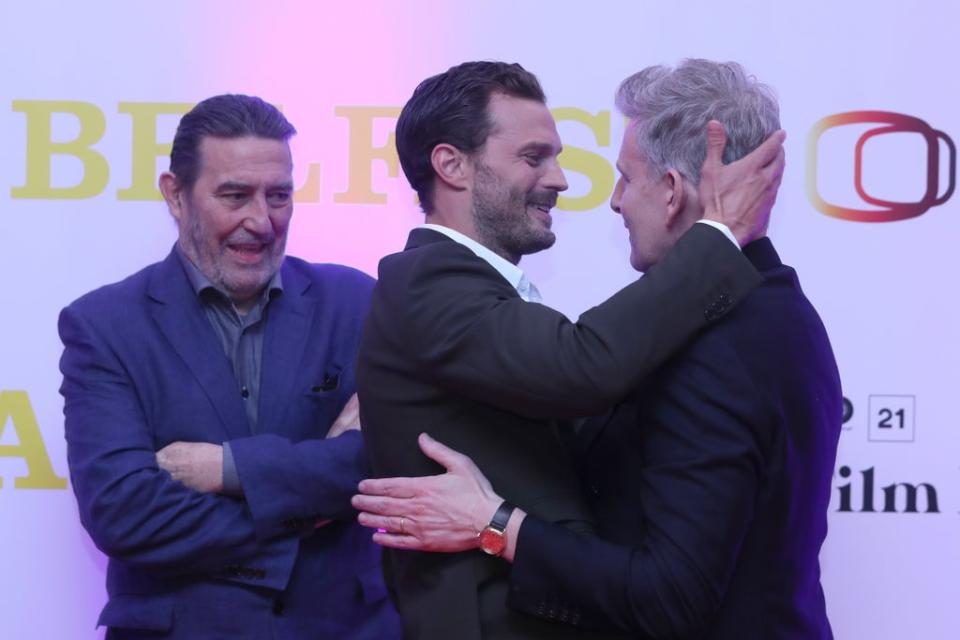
point(134, 511)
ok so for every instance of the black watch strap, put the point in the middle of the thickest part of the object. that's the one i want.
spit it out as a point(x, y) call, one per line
point(502, 516)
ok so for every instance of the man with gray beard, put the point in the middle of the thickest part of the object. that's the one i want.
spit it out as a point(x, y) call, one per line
point(201, 402)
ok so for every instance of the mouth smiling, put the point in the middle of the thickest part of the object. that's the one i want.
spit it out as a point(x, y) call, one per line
point(249, 252)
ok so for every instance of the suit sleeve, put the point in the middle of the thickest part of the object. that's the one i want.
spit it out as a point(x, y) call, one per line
point(296, 485)
point(702, 463)
point(293, 485)
point(134, 512)
point(470, 334)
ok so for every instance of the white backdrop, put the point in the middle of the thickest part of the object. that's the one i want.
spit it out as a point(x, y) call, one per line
point(99, 73)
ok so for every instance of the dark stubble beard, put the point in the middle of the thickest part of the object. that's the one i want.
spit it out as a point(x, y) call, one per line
point(501, 220)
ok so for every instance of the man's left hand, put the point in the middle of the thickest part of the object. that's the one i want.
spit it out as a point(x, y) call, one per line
point(198, 465)
point(431, 513)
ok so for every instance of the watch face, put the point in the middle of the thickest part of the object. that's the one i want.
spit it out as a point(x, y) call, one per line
point(492, 541)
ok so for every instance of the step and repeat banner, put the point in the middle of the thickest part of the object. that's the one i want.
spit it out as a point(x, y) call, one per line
point(90, 94)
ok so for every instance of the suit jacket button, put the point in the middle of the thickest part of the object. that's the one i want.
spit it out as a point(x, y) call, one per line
point(278, 607)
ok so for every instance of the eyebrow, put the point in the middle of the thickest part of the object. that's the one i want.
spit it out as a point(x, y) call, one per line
point(232, 185)
point(540, 147)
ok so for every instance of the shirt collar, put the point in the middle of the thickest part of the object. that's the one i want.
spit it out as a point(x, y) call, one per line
point(510, 272)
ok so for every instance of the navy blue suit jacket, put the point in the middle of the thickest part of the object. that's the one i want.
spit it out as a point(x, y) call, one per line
point(143, 368)
point(710, 486)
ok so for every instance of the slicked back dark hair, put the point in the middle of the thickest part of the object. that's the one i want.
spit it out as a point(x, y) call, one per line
point(225, 116)
point(451, 108)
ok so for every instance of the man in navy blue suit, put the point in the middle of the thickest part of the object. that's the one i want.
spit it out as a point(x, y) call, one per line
point(201, 401)
point(710, 482)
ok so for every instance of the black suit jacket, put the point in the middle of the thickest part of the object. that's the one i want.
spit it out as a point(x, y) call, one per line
point(450, 348)
point(710, 486)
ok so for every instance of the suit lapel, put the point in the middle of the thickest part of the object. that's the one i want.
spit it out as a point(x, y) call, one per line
point(178, 314)
point(284, 345)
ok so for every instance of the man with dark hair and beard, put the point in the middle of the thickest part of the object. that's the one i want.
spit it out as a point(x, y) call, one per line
point(453, 346)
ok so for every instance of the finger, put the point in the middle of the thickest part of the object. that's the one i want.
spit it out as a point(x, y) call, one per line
point(390, 487)
point(768, 151)
point(380, 506)
point(716, 141)
point(439, 452)
point(390, 524)
point(774, 170)
point(349, 417)
point(351, 410)
point(779, 162)
point(398, 541)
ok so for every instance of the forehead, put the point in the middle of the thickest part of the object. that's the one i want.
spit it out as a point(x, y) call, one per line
point(248, 158)
point(521, 121)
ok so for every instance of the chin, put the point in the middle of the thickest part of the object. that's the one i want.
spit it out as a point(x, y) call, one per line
point(545, 241)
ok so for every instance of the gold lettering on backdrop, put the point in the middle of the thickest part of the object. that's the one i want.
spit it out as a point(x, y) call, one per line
point(363, 153)
point(310, 191)
point(15, 410)
point(594, 166)
point(145, 148)
point(41, 148)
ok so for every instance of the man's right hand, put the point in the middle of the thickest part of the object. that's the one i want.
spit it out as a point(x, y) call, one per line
point(348, 420)
point(742, 193)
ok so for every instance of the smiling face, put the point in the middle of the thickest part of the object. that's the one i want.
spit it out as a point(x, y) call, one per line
point(233, 222)
point(649, 204)
point(517, 178)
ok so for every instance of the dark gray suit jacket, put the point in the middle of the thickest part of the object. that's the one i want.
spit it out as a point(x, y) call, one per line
point(450, 348)
point(710, 485)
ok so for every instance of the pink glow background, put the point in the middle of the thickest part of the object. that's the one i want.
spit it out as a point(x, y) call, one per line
point(882, 290)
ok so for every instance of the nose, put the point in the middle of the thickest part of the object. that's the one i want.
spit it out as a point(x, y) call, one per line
point(257, 215)
point(616, 196)
point(555, 180)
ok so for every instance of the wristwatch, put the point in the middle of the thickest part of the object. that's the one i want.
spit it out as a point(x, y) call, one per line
point(493, 539)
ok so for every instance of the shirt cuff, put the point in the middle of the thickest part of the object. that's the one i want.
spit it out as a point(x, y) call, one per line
point(723, 229)
point(231, 481)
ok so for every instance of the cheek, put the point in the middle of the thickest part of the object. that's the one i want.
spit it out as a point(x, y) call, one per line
point(280, 221)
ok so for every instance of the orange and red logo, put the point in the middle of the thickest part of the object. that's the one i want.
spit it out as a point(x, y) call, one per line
point(886, 210)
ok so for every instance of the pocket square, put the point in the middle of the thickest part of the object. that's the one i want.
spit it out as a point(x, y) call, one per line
point(330, 382)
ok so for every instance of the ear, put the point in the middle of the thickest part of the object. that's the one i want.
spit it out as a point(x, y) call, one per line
point(676, 196)
point(451, 166)
point(173, 193)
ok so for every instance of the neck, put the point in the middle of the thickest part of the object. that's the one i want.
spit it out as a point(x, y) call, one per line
point(457, 223)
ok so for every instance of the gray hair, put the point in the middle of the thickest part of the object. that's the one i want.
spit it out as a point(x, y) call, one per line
point(672, 108)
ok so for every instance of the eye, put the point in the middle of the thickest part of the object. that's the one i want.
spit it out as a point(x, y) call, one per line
point(533, 159)
point(279, 198)
point(233, 197)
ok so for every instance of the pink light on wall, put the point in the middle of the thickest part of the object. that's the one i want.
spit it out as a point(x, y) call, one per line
point(340, 73)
